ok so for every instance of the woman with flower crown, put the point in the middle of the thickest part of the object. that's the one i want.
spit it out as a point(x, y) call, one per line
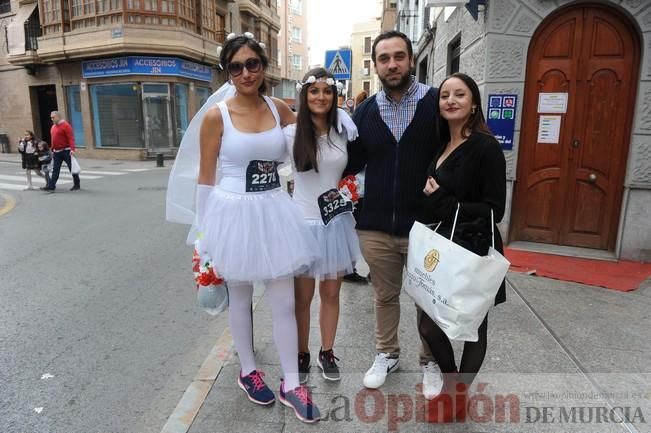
point(250, 228)
point(319, 156)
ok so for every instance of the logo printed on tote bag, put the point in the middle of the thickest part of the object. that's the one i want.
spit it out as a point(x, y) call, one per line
point(431, 260)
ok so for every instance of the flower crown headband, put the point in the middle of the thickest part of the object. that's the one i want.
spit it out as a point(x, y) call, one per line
point(248, 35)
point(312, 79)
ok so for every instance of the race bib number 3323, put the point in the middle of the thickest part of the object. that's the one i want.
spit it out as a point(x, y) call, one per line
point(262, 176)
point(332, 203)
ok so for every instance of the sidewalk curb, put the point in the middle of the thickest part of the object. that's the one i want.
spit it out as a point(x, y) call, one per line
point(192, 400)
point(181, 419)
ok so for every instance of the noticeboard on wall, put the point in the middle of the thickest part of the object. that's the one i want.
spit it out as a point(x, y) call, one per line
point(501, 118)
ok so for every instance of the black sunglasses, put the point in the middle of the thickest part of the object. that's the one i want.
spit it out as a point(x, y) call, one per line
point(252, 65)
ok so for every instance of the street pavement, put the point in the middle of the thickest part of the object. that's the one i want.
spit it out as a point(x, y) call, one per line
point(92, 169)
point(99, 332)
point(567, 357)
point(564, 357)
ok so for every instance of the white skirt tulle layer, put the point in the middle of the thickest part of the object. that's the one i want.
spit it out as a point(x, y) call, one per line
point(338, 247)
point(257, 236)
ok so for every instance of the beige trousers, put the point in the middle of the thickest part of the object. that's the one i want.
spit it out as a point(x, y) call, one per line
point(386, 257)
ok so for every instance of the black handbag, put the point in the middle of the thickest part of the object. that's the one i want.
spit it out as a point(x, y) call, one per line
point(473, 235)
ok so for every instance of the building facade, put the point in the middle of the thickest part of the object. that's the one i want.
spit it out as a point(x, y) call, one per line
point(577, 80)
point(292, 47)
point(389, 12)
point(128, 75)
point(363, 76)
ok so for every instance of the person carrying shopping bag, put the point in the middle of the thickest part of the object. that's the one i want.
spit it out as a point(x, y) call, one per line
point(63, 149)
point(467, 181)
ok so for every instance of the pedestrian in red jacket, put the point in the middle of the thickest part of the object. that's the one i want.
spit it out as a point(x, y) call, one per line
point(63, 148)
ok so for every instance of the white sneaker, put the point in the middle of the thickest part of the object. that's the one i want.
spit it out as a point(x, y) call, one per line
point(377, 374)
point(432, 380)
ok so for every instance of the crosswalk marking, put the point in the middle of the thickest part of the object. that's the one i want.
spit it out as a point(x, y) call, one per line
point(67, 175)
point(12, 186)
point(105, 173)
point(23, 179)
point(18, 182)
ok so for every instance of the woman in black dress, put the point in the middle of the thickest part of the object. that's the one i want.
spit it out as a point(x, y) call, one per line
point(29, 156)
point(469, 172)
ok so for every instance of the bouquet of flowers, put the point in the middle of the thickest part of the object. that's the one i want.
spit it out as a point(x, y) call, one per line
point(212, 293)
point(349, 187)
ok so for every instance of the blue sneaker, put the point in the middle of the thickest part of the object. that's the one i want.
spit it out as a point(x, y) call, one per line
point(300, 400)
point(256, 390)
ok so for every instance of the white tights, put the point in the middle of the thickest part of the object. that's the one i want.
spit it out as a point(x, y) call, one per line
point(280, 295)
point(29, 176)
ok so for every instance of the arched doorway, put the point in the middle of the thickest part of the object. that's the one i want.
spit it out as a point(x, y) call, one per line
point(569, 184)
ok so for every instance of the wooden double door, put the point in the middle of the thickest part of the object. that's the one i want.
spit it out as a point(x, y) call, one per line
point(569, 192)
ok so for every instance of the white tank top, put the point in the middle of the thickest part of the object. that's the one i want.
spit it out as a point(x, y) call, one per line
point(309, 185)
point(239, 148)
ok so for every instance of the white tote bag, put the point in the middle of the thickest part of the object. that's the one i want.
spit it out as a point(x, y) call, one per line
point(453, 286)
point(74, 165)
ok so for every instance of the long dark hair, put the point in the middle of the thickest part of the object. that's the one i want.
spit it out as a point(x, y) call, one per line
point(232, 46)
point(476, 122)
point(305, 142)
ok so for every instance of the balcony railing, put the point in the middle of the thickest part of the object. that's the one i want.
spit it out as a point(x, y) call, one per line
point(32, 32)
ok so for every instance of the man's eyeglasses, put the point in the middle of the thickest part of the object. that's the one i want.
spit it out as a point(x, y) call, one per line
point(236, 68)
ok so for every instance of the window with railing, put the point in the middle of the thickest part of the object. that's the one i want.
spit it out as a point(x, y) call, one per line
point(367, 45)
point(220, 32)
point(32, 31)
point(208, 19)
point(186, 14)
point(82, 13)
point(55, 16)
point(198, 16)
point(160, 12)
point(109, 12)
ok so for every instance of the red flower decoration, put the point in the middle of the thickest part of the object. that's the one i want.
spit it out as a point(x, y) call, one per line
point(204, 275)
point(349, 187)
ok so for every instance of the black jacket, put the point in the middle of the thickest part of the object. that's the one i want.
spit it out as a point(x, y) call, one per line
point(395, 171)
point(473, 176)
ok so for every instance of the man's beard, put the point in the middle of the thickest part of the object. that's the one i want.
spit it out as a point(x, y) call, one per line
point(403, 84)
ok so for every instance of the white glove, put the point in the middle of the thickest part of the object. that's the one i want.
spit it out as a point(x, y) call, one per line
point(345, 122)
point(203, 191)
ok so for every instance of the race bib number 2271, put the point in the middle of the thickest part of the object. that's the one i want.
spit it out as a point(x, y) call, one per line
point(262, 176)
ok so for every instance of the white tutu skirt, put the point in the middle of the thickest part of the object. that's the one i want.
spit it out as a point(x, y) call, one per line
point(338, 247)
point(257, 236)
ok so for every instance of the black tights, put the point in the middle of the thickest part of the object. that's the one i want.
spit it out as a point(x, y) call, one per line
point(439, 344)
